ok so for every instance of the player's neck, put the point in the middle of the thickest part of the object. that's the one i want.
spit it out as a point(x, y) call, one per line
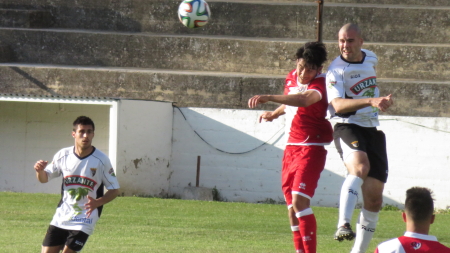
point(418, 228)
point(83, 152)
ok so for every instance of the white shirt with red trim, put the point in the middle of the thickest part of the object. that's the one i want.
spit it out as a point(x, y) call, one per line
point(82, 177)
point(354, 80)
point(412, 243)
point(307, 125)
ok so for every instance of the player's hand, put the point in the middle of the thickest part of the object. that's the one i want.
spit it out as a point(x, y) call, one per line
point(40, 165)
point(267, 117)
point(91, 205)
point(258, 99)
point(383, 103)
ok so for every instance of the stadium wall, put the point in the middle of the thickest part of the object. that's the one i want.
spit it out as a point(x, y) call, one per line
point(157, 146)
point(135, 134)
point(416, 150)
point(31, 131)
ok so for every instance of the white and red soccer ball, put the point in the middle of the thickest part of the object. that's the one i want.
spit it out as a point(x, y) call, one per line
point(194, 13)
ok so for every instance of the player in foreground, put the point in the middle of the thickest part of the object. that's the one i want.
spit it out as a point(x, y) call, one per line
point(305, 104)
point(418, 216)
point(355, 102)
point(85, 171)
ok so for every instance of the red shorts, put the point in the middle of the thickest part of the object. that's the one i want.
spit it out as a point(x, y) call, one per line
point(302, 166)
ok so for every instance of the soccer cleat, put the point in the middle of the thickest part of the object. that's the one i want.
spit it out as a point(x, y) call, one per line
point(344, 232)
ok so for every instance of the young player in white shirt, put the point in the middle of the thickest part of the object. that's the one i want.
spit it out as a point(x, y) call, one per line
point(85, 171)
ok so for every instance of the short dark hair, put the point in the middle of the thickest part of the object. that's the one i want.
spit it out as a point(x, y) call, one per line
point(83, 120)
point(313, 53)
point(419, 203)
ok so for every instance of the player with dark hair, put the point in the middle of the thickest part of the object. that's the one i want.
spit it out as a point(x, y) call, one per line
point(418, 216)
point(305, 104)
point(355, 102)
point(85, 171)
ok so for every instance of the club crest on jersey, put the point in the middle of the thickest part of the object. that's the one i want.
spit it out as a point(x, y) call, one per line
point(416, 245)
point(93, 171)
point(79, 180)
point(355, 144)
point(111, 172)
point(370, 82)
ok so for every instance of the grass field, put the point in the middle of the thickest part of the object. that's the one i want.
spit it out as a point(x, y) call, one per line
point(133, 224)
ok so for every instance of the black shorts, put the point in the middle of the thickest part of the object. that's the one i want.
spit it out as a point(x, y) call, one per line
point(74, 239)
point(350, 137)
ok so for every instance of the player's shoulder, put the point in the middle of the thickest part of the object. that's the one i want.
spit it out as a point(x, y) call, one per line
point(64, 152)
point(291, 78)
point(319, 79)
point(369, 53)
point(98, 154)
point(291, 74)
point(390, 246)
point(337, 65)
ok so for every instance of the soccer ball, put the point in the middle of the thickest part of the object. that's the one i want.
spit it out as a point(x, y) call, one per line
point(194, 13)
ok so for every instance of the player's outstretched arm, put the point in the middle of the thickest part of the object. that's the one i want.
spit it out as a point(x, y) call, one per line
point(92, 203)
point(304, 99)
point(269, 116)
point(39, 167)
point(342, 105)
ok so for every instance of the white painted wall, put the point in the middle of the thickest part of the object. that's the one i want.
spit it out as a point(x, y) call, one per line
point(157, 153)
point(30, 131)
point(248, 177)
point(417, 157)
point(144, 136)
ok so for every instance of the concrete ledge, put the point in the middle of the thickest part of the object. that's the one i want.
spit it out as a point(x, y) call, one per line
point(273, 19)
point(200, 89)
point(197, 193)
point(209, 53)
point(25, 18)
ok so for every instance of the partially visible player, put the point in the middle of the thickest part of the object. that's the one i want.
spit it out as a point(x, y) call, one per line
point(355, 102)
point(305, 103)
point(85, 171)
point(418, 216)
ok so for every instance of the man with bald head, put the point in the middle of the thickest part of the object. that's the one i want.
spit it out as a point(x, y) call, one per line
point(355, 102)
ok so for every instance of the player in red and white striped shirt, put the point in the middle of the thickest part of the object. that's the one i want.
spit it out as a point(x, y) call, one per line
point(305, 104)
point(418, 216)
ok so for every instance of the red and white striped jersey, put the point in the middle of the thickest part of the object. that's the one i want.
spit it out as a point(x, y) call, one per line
point(412, 243)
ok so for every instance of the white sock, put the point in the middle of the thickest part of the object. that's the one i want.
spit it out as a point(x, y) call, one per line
point(305, 212)
point(365, 228)
point(348, 199)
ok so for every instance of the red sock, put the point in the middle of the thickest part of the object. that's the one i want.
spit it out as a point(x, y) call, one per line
point(298, 244)
point(308, 230)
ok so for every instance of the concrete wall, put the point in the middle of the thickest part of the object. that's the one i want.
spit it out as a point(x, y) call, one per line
point(30, 131)
point(144, 147)
point(157, 154)
point(416, 157)
point(250, 177)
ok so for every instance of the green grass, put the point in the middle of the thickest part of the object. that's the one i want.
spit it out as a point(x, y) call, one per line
point(133, 224)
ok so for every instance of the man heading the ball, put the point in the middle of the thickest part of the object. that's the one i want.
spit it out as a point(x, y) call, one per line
point(85, 171)
point(355, 102)
point(305, 104)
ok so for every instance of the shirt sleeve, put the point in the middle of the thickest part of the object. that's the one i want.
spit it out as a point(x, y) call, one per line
point(109, 176)
point(52, 169)
point(335, 86)
point(318, 85)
